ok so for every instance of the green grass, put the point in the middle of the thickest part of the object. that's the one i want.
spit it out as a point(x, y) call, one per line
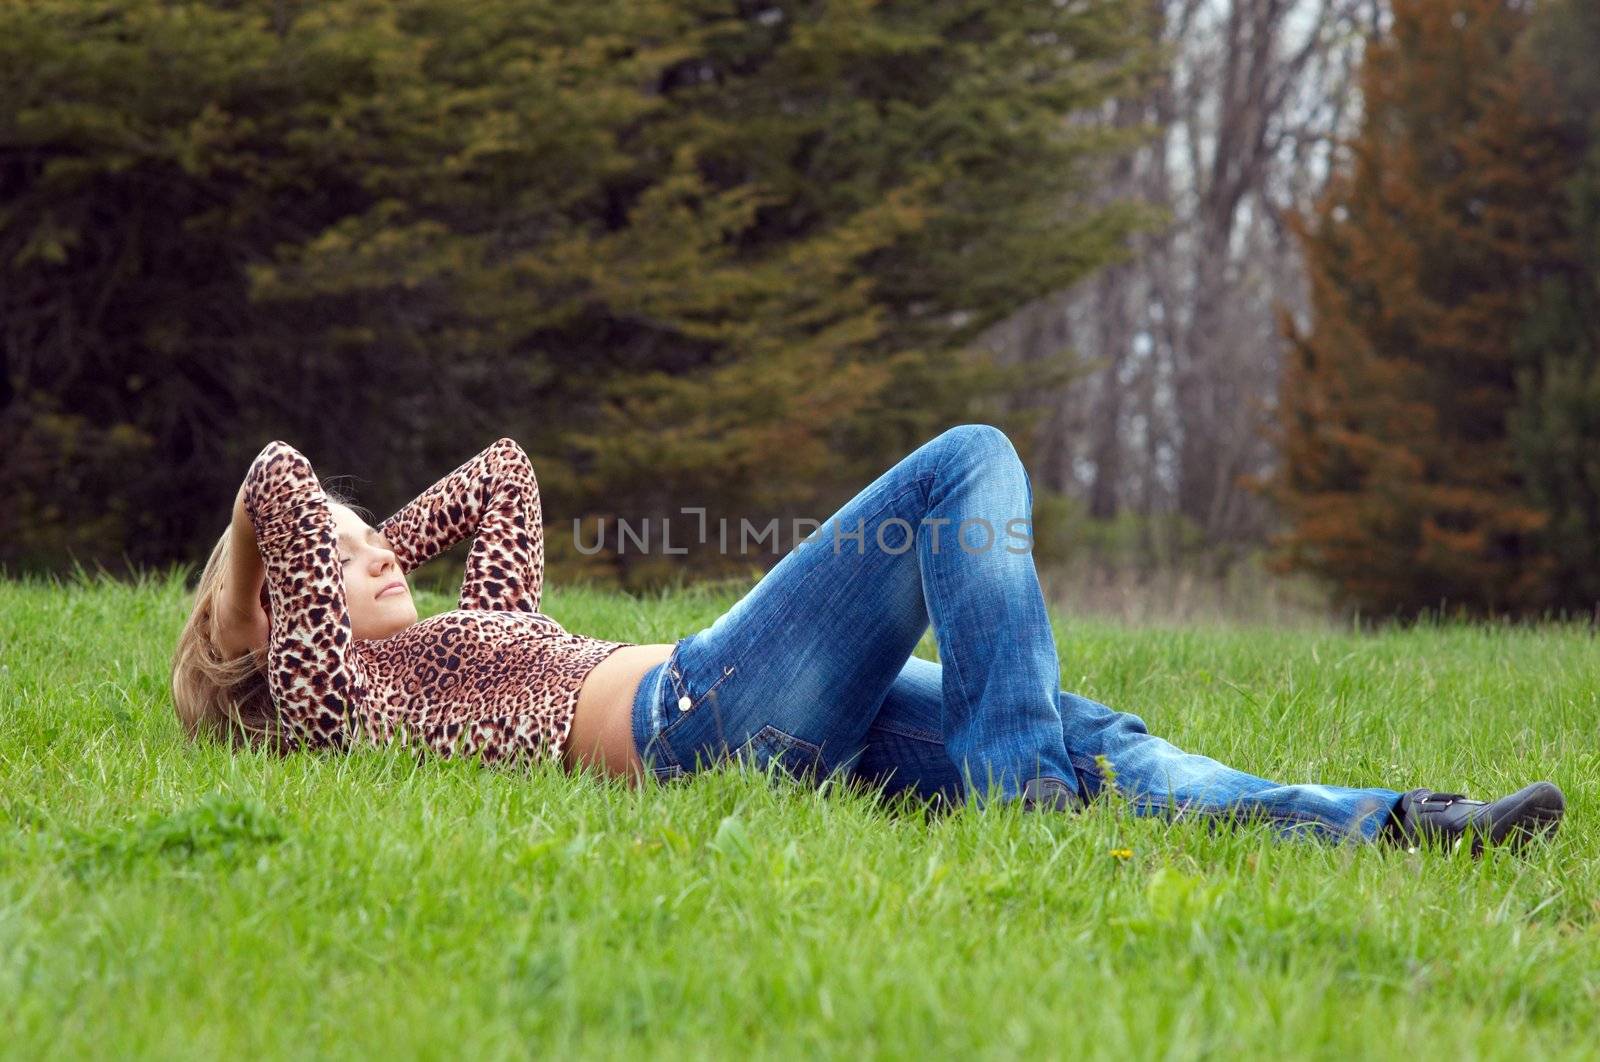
point(163, 899)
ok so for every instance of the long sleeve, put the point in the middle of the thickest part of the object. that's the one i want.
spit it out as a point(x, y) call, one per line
point(493, 497)
point(312, 674)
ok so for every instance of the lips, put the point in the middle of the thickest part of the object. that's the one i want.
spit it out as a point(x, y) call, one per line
point(396, 587)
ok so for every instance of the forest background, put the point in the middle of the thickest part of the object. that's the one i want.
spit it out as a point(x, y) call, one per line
point(1299, 287)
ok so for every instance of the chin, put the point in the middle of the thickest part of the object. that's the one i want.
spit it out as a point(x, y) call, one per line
point(387, 627)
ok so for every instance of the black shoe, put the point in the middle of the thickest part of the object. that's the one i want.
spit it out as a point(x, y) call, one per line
point(1049, 794)
point(1424, 817)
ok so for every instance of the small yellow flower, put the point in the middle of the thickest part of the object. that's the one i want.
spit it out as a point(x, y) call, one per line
point(1122, 853)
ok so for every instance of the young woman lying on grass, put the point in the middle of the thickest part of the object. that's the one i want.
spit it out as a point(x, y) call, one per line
point(304, 634)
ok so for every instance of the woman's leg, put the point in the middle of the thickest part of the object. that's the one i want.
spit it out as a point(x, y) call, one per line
point(1162, 779)
point(902, 750)
point(794, 671)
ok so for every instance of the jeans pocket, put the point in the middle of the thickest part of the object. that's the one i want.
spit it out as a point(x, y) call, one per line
point(795, 756)
point(688, 690)
point(692, 730)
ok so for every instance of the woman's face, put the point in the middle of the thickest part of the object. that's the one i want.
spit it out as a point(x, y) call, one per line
point(375, 590)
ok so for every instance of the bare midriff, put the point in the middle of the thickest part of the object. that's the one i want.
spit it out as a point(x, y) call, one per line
point(602, 726)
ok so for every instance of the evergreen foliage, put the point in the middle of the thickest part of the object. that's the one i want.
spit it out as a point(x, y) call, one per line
point(1556, 426)
point(726, 254)
point(1405, 402)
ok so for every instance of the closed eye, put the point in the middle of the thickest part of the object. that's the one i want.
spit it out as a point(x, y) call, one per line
point(372, 534)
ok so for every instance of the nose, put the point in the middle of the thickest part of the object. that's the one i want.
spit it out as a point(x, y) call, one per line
point(382, 560)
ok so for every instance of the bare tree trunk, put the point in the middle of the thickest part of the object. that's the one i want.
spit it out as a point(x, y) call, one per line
point(1105, 449)
point(1113, 339)
point(1183, 337)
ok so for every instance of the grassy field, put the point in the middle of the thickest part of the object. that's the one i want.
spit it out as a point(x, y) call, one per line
point(163, 899)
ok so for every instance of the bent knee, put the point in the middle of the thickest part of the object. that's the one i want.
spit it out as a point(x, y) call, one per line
point(977, 445)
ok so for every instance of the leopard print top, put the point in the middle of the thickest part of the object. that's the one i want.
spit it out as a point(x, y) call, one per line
point(495, 677)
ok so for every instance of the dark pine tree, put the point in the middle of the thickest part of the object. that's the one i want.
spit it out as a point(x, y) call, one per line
point(1400, 483)
point(1556, 426)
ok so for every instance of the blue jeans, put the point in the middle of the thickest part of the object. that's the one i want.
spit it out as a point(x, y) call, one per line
point(813, 669)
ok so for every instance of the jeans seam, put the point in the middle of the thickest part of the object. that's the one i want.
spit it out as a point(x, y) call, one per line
point(786, 739)
point(950, 663)
point(1165, 802)
point(907, 732)
point(944, 458)
point(657, 754)
point(694, 704)
point(927, 481)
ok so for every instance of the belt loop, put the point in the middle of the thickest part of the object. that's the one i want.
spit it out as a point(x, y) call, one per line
point(680, 692)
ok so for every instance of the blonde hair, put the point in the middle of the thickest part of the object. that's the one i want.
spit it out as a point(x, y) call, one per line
point(217, 695)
